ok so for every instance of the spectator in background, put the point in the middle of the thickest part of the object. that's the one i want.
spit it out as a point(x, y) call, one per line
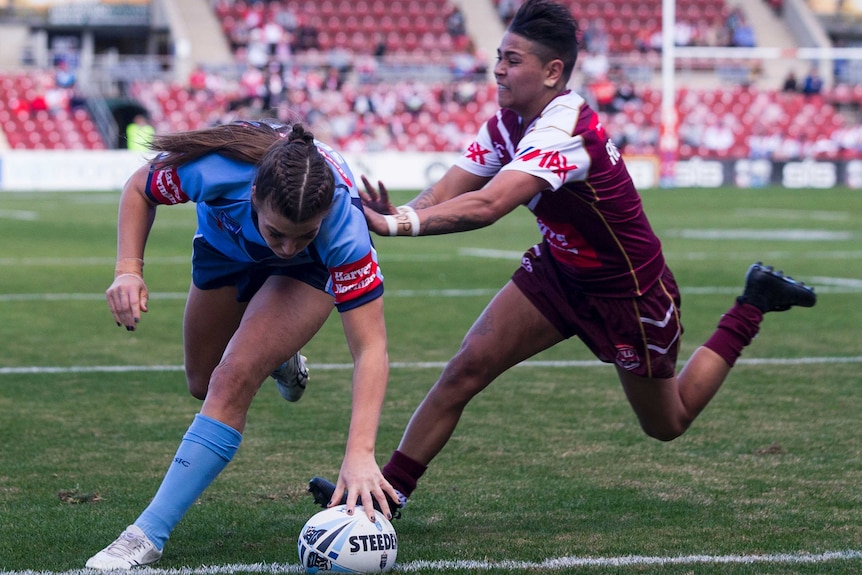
point(506, 9)
point(743, 36)
point(791, 84)
point(603, 92)
point(595, 65)
point(198, 80)
point(762, 142)
point(640, 136)
point(64, 76)
point(455, 23)
point(380, 47)
point(813, 82)
point(38, 102)
point(683, 33)
point(718, 135)
point(790, 147)
point(139, 134)
point(596, 40)
point(625, 96)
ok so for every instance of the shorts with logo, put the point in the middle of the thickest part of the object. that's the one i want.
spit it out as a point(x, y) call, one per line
point(640, 334)
point(211, 269)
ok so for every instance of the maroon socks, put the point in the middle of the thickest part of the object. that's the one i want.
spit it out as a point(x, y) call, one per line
point(735, 330)
point(403, 472)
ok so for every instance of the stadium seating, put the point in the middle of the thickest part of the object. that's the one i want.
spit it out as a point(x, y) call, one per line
point(31, 126)
point(435, 115)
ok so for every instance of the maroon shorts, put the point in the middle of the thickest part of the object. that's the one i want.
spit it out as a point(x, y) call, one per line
point(640, 334)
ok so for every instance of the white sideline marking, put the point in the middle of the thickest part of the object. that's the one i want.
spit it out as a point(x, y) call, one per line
point(823, 285)
point(554, 564)
point(790, 235)
point(22, 215)
point(770, 213)
point(409, 365)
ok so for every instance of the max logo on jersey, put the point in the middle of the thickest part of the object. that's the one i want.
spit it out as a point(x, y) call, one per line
point(553, 160)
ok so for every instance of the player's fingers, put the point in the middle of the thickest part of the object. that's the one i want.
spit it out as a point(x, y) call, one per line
point(384, 193)
point(119, 305)
point(125, 300)
point(134, 308)
point(383, 504)
point(336, 495)
point(367, 504)
point(369, 189)
point(145, 298)
point(352, 501)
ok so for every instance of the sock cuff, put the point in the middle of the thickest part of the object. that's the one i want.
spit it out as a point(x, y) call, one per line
point(736, 329)
point(219, 437)
point(403, 472)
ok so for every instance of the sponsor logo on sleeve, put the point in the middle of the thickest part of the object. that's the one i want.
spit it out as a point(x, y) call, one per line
point(354, 279)
point(165, 187)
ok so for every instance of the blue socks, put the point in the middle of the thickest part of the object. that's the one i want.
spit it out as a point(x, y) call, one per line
point(206, 449)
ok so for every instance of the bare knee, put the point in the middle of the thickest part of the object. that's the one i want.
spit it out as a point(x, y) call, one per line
point(198, 383)
point(461, 380)
point(665, 430)
point(228, 378)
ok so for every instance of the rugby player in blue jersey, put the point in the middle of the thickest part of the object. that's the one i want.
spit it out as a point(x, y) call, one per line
point(281, 240)
point(598, 274)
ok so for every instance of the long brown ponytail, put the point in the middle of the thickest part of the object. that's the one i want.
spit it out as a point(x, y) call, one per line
point(243, 141)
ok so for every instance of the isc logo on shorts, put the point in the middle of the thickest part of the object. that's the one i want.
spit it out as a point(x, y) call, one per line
point(627, 357)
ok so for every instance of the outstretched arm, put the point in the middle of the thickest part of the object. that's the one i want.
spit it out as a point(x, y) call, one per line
point(127, 296)
point(360, 475)
point(459, 202)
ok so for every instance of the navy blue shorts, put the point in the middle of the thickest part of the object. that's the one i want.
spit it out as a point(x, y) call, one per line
point(640, 334)
point(211, 269)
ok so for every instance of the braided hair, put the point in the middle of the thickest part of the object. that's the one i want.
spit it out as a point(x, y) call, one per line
point(293, 177)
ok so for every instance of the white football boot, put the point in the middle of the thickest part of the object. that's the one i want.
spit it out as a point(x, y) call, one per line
point(291, 377)
point(131, 548)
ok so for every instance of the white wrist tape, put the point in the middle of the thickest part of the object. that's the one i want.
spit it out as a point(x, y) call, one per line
point(393, 225)
point(413, 218)
point(404, 223)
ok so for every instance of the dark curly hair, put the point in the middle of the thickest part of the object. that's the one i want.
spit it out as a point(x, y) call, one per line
point(553, 28)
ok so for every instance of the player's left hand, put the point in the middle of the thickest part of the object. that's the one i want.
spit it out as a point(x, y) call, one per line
point(364, 484)
point(127, 297)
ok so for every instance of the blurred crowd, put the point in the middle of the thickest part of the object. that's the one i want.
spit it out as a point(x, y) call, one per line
point(344, 102)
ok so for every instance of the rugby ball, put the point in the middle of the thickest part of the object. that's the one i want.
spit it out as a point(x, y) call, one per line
point(334, 542)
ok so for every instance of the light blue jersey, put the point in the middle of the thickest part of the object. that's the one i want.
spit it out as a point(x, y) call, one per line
point(221, 189)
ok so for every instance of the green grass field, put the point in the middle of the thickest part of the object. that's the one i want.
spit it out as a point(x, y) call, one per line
point(548, 471)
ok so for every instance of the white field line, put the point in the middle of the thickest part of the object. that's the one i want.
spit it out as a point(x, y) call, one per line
point(554, 564)
point(822, 284)
point(31, 370)
point(775, 256)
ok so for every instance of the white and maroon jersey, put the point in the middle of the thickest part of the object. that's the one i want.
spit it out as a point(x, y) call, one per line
point(590, 214)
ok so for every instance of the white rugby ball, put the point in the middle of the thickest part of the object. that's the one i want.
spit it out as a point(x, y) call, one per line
point(334, 542)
